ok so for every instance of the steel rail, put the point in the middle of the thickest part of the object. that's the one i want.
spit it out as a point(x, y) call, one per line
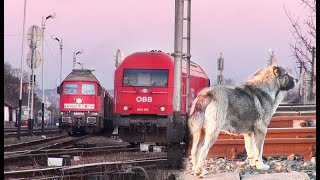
point(288, 121)
point(297, 108)
point(40, 155)
point(14, 129)
point(31, 143)
point(84, 168)
point(306, 132)
point(294, 113)
point(25, 133)
point(233, 148)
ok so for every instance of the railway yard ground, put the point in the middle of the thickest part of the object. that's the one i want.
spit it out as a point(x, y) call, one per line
point(289, 151)
point(217, 167)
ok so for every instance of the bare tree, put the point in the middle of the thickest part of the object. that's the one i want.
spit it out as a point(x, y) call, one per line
point(304, 33)
point(11, 86)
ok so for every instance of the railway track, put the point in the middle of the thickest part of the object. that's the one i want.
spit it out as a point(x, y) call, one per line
point(290, 132)
point(77, 171)
point(25, 133)
point(289, 116)
point(292, 121)
point(281, 140)
point(53, 142)
point(31, 143)
point(12, 132)
point(310, 107)
point(234, 148)
point(14, 129)
point(306, 132)
point(39, 156)
point(278, 142)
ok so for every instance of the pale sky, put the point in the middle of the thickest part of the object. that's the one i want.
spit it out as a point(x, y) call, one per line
point(243, 31)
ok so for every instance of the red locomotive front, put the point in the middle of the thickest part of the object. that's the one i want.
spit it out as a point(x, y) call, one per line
point(82, 102)
point(143, 91)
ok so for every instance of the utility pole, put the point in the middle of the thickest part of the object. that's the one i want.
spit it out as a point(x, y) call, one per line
point(300, 84)
point(21, 73)
point(42, 105)
point(272, 60)
point(177, 60)
point(188, 55)
point(60, 43)
point(220, 69)
point(61, 61)
point(312, 76)
point(174, 129)
point(43, 28)
point(31, 119)
point(33, 60)
point(75, 59)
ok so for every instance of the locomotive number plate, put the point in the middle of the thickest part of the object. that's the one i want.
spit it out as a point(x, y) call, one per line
point(142, 109)
point(79, 106)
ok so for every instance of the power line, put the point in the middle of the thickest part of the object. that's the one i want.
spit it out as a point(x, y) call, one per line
point(8, 35)
point(51, 52)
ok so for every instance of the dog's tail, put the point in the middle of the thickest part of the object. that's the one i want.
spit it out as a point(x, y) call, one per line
point(197, 112)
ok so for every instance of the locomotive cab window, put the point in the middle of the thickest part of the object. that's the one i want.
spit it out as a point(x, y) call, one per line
point(144, 77)
point(71, 89)
point(88, 89)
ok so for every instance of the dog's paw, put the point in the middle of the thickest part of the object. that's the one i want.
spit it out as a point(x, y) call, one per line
point(252, 162)
point(202, 174)
point(262, 166)
point(197, 172)
point(193, 170)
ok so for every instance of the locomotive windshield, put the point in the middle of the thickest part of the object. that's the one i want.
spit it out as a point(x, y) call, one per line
point(144, 77)
point(88, 89)
point(71, 89)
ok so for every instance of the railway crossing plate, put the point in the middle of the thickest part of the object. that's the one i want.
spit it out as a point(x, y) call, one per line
point(33, 59)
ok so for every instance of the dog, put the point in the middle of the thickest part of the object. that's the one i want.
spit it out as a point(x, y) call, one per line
point(246, 109)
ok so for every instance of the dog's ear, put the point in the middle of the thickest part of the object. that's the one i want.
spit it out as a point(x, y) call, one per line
point(276, 71)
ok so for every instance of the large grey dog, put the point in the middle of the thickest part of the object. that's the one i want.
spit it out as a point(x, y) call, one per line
point(246, 110)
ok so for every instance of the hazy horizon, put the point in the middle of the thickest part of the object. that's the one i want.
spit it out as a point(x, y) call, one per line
point(243, 31)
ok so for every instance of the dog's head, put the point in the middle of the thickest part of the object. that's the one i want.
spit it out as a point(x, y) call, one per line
point(285, 80)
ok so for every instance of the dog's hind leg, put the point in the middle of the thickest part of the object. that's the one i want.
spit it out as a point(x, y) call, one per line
point(209, 139)
point(259, 136)
point(195, 142)
point(249, 145)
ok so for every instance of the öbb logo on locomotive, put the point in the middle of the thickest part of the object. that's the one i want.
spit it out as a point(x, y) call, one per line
point(144, 99)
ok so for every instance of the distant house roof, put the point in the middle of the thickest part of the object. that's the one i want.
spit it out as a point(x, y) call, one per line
point(10, 104)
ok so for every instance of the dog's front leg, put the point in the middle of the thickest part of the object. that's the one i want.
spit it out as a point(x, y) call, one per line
point(250, 148)
point(259, 136)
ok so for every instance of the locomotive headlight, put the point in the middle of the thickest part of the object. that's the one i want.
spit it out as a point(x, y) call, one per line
point(125, 108)
point(79, 100)
point(144, 90)
point(162, 108)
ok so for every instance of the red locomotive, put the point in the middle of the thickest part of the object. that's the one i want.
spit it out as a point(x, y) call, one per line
point(84, 104)
point(143, 94)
